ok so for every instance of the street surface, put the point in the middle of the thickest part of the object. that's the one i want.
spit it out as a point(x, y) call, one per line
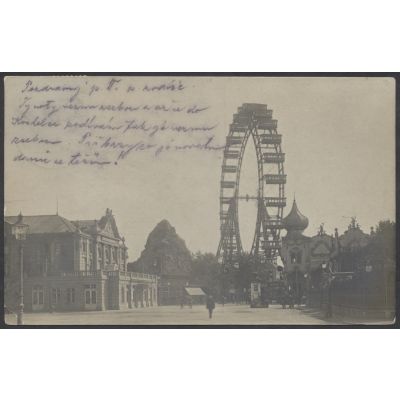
point(173, 315)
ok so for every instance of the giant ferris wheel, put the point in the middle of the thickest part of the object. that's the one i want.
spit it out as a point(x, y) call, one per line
point(255, 121)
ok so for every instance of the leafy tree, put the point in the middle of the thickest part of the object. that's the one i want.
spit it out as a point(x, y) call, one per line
point(380, 249)
point(206, 272)
point(384, 240)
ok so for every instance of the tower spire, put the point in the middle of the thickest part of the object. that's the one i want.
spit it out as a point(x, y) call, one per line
point(295, 220)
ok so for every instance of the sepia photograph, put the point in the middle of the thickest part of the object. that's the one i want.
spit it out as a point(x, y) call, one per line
point(199, 201)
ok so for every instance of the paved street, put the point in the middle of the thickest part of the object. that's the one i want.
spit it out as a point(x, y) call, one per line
point(174, 315)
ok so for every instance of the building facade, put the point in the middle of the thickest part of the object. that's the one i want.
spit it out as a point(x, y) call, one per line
point(344, 271)
point(73, 265)
point(295, 252)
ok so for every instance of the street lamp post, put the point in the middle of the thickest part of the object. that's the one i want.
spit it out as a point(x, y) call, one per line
point(19, 230)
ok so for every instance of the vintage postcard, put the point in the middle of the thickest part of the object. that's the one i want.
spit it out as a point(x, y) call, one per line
point(199, 200)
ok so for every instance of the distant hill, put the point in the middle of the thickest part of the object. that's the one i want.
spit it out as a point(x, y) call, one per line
point(165, 253)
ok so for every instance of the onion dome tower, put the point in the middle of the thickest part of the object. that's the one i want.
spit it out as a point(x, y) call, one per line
point(295, 222)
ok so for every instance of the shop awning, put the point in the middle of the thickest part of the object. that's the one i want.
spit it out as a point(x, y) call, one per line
point(194, 291)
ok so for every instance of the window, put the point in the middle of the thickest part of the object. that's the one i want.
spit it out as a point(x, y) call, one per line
point(38, 256)
point(99, 252)
point(90, 255)
point(107, 255)
point(70, 296)
point(87, 296)
point(122, 295)
point(90, 294)
point(38, 295)
point(55, 295)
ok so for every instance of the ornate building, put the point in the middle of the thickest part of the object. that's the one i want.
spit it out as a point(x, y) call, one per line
point(295, 253)
point(347, 271)
point(305, 257)
point(73, 265)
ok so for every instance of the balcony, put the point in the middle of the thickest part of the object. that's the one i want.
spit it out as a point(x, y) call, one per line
point(78, 274)
point(275, 178)
point(275, 201)
point(274, 158)
point(271, 139)
point(136, 276)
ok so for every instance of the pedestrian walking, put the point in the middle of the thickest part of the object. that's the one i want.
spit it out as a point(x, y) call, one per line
point(210, 305)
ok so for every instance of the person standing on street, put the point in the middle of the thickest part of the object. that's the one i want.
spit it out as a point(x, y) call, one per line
point(210, 306)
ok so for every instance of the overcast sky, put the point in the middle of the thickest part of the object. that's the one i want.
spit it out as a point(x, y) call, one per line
point(338, 136)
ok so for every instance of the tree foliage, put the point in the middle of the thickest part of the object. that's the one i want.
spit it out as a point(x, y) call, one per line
point(384, 240)
point(206, 272)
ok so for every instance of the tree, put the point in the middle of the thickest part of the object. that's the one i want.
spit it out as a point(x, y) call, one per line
point(384, 240)
point(206, 272)
point(247, 270)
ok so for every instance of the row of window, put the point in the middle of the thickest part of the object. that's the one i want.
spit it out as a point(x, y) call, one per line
point(70, 293)
point(110, 254)
point(125, 294)
point(90, 295)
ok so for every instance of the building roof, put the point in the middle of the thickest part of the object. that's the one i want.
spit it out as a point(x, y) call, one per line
point(106, 225)
point(295, 220)
point(88, 226)
point(44, 223)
